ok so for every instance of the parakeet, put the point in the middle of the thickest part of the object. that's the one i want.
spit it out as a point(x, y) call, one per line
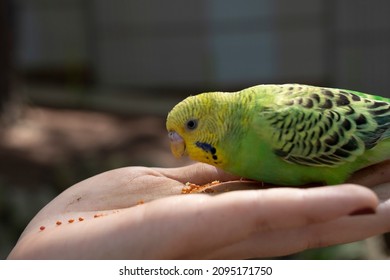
point(287, 134)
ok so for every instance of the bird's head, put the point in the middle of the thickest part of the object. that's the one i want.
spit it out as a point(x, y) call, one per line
point(195, 128)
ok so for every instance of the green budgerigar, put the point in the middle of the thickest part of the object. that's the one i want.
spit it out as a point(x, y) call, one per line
point(288, 134)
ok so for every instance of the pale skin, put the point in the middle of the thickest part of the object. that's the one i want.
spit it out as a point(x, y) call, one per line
point(140, 213)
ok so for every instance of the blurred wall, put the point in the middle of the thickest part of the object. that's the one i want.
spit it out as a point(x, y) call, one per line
point(51, 33)
point(360, 37)
point(214, 43)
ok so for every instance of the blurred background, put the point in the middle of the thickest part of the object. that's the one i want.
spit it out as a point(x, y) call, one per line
point(85, 85)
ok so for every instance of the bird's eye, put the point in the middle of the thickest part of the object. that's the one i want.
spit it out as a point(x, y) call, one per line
point(192, 124)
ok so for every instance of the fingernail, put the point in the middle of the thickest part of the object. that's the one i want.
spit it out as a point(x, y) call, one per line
point(363, 211)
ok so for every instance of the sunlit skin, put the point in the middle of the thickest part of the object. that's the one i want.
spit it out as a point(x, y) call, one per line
point(140, 213)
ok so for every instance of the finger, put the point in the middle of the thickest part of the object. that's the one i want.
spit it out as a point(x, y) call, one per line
point(219, 221)
point(289, 241)
point(345, 229)
point(266, 244)
point(349, 229)
point(198, 173)
point(372, 175)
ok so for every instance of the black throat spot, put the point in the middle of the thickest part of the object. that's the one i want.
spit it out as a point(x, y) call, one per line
point(207, 148)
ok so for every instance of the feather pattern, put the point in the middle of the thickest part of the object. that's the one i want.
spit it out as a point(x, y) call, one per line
point(326, 127)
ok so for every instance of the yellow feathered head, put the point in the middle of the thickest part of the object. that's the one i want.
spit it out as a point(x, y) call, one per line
point(196, 126)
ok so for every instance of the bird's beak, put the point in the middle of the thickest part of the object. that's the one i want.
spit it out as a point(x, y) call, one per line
point(178, 146)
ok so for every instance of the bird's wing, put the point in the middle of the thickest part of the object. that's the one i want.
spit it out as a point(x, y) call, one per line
point(325, 127)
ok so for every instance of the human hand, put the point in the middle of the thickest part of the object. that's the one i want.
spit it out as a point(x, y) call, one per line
point(115, 224)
